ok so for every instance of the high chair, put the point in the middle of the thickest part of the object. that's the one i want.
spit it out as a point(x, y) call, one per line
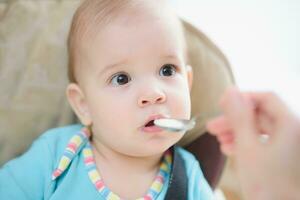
point(33, 64)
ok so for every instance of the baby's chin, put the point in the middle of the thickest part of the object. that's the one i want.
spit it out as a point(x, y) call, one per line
point(153, 148)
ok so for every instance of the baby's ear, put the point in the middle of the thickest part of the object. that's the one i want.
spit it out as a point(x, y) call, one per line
point(78, 103)
point(189, 71)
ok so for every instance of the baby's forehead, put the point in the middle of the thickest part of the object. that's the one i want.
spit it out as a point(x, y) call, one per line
point(94, 15)
point(152, 39)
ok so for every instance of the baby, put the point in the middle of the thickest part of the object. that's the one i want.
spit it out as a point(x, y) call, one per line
point(127, 67)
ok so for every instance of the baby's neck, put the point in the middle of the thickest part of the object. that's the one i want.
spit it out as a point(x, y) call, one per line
point(125, 162)
point(128, 176)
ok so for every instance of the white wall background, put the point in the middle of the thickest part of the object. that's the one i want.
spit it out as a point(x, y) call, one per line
point(261, 39)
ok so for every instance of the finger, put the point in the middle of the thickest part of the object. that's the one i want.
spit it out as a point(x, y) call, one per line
point(241, 116)
point(218, 125)
point(226, 137)
point(271, 105)
point(281, 116)
point(228, 150)
point(226, 141)
point(227, 144)
point(265, 124)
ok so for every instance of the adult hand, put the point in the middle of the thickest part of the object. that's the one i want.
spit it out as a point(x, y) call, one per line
point(268, 169)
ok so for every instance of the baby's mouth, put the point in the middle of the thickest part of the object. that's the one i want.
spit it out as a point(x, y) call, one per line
point(150, 123)
point(150, 127)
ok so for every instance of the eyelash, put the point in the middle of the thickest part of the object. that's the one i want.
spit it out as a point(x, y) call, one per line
point(175, 70)
point(117, 75)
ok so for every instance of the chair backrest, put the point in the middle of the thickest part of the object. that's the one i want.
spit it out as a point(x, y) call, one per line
point(33, 71)
point(212, 75)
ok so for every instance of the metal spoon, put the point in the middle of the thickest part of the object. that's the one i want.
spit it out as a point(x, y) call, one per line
point(177, 125)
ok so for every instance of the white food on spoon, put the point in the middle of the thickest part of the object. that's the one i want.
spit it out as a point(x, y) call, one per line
point(170, 123)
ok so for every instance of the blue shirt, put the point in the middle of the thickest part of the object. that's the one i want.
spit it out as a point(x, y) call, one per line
point(30, 176)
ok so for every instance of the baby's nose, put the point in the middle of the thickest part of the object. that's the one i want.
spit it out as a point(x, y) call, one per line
point(155, 97)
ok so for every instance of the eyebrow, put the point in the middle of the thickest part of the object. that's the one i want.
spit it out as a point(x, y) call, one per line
point(170, 56)
point(174, 57)
point(111, 66)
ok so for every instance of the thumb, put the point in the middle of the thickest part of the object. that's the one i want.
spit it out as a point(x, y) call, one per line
point(241, 116)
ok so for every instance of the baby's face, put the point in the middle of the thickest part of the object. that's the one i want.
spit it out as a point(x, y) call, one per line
point(135, 71)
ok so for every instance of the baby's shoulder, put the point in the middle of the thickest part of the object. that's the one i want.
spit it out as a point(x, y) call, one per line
point(32, 171)
point(61, 133)
point(58, 138)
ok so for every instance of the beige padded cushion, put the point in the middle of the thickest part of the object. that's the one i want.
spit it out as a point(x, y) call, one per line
point(32, 71)
point(33, 60)
point(212, 75)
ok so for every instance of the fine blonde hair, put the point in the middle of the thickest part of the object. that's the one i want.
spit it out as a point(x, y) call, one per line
point(89, 16)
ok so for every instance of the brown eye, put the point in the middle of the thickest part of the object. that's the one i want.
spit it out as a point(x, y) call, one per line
point(120, 79)
point(167, 70)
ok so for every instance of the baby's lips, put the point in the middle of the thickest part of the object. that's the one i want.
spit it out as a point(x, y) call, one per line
point(153, 117)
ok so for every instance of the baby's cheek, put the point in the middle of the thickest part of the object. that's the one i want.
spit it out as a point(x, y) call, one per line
point(181, 104)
